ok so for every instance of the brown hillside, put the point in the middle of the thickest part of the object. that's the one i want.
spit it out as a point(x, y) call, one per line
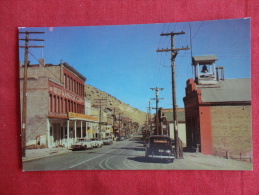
point(134, 114)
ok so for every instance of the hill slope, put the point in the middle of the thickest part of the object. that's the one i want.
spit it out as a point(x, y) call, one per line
point(134, 114)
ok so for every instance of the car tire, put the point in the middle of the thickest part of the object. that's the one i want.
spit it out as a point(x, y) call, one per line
point(85, 147)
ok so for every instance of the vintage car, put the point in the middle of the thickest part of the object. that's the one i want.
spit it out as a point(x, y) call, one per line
point(107, 141)
point(120, 138)
point(82, 143)
point(97, 143)
point(160, 147)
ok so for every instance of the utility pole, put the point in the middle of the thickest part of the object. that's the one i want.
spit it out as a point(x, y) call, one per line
point(174, 52)
point(25, 78)
point(149, 118)
point(100, 103)
point(115, 109)
point(157, 100)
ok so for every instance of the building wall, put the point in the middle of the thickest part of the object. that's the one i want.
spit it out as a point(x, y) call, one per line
point(37, 107)
point(232, 131)
point(205, 130)
point(53, 72)
point(181, 132)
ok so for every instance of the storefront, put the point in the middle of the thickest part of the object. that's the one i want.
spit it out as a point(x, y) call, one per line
point(63, 132)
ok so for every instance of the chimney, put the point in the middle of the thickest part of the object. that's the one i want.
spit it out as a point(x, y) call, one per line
point(41, 62)
point(221, 76)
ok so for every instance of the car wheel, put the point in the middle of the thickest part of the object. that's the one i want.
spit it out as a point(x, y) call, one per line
point(85, 147)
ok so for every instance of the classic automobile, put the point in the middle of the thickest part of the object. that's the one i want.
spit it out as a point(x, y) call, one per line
point(97, 143)
point(107, 141)
point(120, 138)
point(160, 147)
point(82, 143)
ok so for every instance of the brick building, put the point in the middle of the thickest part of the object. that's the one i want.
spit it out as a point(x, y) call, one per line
point(217, 111)
point(55, 105)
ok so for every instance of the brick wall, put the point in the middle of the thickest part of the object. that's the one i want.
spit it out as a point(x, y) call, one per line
point(37, 107)
point(231, 130)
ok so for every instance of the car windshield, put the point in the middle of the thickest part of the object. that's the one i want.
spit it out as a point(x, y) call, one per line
point(155, 141)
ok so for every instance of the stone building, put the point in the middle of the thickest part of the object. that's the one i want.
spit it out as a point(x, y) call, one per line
point(218, 111)
point(55, 105)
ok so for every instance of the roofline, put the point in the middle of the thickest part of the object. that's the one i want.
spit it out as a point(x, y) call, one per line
point(226, 103)
point(66, 65)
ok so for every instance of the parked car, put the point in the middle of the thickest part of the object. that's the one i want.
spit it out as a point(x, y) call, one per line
point(97, 143)
point(145, 141)
point(160, 147)
point(107, 141)
point(121, 138)
point(82, 143)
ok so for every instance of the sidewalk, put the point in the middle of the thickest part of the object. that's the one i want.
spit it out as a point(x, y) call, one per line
point(34, 154)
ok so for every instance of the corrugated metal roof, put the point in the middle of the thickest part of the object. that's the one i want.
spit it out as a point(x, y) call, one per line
point(229, 90)
point(208, 59)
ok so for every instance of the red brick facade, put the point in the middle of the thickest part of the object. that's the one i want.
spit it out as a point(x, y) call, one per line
point(217, 128)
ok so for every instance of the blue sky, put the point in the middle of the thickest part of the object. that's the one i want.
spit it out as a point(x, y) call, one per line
point(122, 60)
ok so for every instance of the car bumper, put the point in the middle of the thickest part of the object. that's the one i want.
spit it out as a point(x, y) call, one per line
point(161, 157)
point(77, 147)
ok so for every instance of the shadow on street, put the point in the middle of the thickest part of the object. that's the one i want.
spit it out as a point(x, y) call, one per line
point(143, 159)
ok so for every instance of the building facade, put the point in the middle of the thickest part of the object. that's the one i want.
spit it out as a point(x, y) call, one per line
point(55, 105)
point(218, 113)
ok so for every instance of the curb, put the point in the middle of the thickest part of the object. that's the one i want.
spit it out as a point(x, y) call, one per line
point(45, 156)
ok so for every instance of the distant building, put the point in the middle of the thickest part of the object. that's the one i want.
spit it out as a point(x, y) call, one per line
point(55, 105)
point(168, 114)
point(218, 111)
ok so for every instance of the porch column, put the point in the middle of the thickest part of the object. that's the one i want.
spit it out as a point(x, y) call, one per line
point(86, 133)
point(48, 133)
point(81, 129)
point(75, 128)
point(68, 133)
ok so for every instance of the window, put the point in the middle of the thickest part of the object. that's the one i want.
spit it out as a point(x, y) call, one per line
point(54, 103)
point(68, 82)
point(65, 81)
point(61, 105)
point(50, 103)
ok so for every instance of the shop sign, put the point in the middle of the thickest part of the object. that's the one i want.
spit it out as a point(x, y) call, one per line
point(82, 116)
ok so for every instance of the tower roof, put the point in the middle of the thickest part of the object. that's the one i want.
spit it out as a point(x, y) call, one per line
point(201, 60)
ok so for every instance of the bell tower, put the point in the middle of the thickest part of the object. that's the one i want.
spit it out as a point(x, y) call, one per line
point(204, 69)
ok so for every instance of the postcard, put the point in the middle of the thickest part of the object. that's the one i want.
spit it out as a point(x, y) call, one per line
point(166, 96)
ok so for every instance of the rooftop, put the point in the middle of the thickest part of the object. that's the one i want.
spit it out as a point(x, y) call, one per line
point(201, 60)
point(229, 90)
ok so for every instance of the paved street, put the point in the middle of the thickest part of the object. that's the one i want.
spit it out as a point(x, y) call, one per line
point(129, 155)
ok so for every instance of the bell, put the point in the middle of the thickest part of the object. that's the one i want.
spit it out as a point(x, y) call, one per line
point(204, 69)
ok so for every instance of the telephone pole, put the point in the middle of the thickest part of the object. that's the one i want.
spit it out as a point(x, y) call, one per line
point(157, 100)
point(174, 52)
point(25, 78)
point(100, 103)
point(149, 118)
